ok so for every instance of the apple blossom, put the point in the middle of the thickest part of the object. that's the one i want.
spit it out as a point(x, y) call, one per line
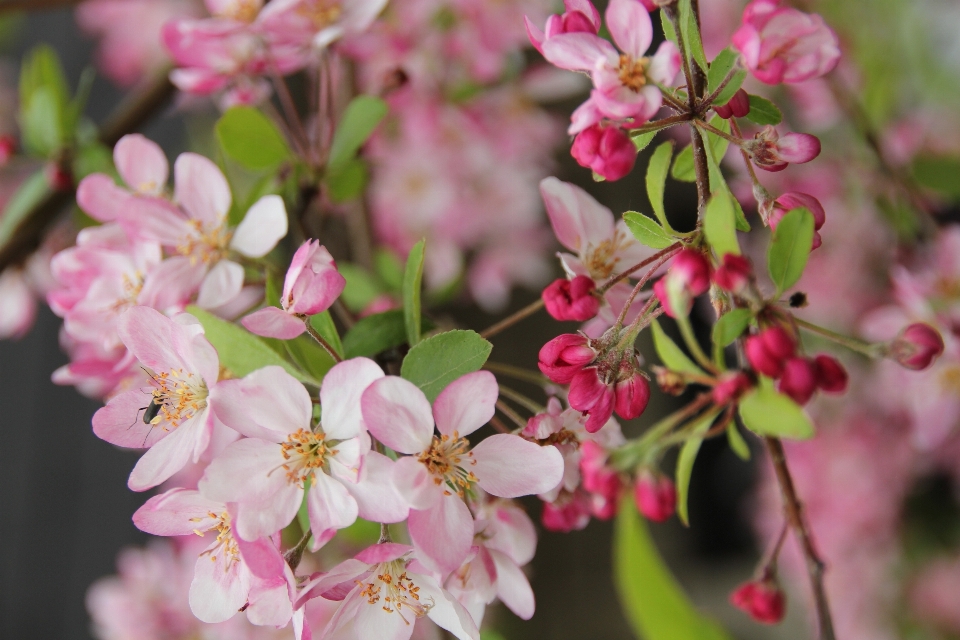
point(608, 151)
point(580, 16)
point(771, 152)
point(571, 299)
point(793, 200)
point(917, 346)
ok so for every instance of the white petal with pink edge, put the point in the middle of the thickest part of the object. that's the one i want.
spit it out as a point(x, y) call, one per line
point(415, 484)
point(378, 499)
point(509, 466)
point(513, 588)
point(247, 471)
point(466, 404)
point(220, 586)
point(268, 403)
point(201, 189)
point(397, 413)
point(100, 197)
point(329, 505)
point(221, 285)
point(178, 512)
point(442, 534)
point(172, 453)
point(142, 164)
point(629, 24)
point(263, 226)
point(271, 322)
point(446, 611)
point(341, 393)
point(577, 51)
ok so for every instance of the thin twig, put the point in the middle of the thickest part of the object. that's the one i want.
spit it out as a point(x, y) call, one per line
point(513, 319)
point(498, 425)
point(510, 413)
point(671, 13)
point(320, 340)
point(640, 265)
point(701, 169)
point(517, 372)
point(521, 399)
point(636, 289)
point(794, 513)
point(660, 125)
point(708, 100)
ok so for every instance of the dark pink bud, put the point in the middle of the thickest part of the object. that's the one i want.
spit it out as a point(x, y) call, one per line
point(799, 379)
point(571, 515)
point(733, 274)
point(917, 346)
point(632, 395)
point(602, 507)
point(8, 147)
point(768, 350)
point(731, 386)
point(762, 601)
point(606, 150)
point(655, 495)
point(794, 200)
point(831, 376)
point(778, 342)
point(737, 107)
point(577, 22)
point(571, 299)
point(591, 396)
point(690, 272)
point(59, 178)
point(597, 477)
point(564, 356)
point(773, 153)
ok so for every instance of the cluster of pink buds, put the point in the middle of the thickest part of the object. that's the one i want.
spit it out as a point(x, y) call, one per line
point(688, 277)
point(607, 150)
point(773, 352)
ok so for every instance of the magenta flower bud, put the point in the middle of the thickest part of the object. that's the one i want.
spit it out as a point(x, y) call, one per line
point(8, 148)
point(571, 299)
point(655, 495)
point(731, 387)
point(831, 376)
point(771, 152)
point(733, 274)
point(591, 396)
point(576, 22)
point(597, 477)
point(761, 600)
point(917, 346)
point(571, 515)
point(768, 350)
point(313, 282)
point(794, 200)
point(689, 271)
point(606, 150)
point(580, 17)
point(799, 379)
point(602, 507)
point(565, 356)
point(737, 107)
point(632, 394)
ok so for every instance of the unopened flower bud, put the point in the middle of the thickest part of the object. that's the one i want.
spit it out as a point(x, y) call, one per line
point(799, 380)
point(58, 177)
point(670, 381)
point(655, 495)
point(571, 299)
point(761, 600)
point(731, 386)
point(8, 147)
point(593, 397)
point(771, 152)
point(690, 275)
point(794, 200)
point(917, 346)
point(737, 107)
point(606, 150)
point(632, 395)
point(768, 350)
point(733, 274)
point(565, 356)
point(596, 476)
point(831, 376)
point(571, 515)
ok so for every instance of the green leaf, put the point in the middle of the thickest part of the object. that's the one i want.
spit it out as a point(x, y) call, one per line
point(642, 140)
point(940, 173)
point(92, 158)
point(717, 144)
point(668, 31)
point(40, 122)
point(375, 334)
point(683, 169)
point(323, 324)
point(311, 357)
point(33, 190)
point(688, 454)
point(646, 231)
point(767, 412)
point(657, 180)
point(46, 120)
point(347, 181)
point(441, 359)
point(361, 287)
point(736, 441)
point(790, 248)
point(240, 351)
point(719, 69)
point(490, 634)
point(670, 354)
point(719, 183)
point(251, 139)
point(359, 120)
point(762, 111)
point(691, 34)
point(720, 225)
point(412, 280)
point(389, 269)
point(731, 326)
point(655, 605)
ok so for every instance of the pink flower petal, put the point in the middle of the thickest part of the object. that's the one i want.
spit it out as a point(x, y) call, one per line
point(629, 24)
point(577, 219)
point(535, 35)
point(262, 558)
point(513, 533)
point(665, 64)
point(221, 285)
point(100, 197)
point(172, 453)
point(375, 622)
point(263, 226)
point(446, 611)
point(513, 588)
point(466, 404)
point(153, 338)
point(155, 220)
point(398, 414)
point(798, 147)
point(341, 393)
point(171, 284)
point(178, 512)
point(415, 484)
point(248, 471)
point(509, 466)
point(443, 534)
point(268, 403)
point(269, 602)
point(121, 422)
point(378, 499)
point(272, 322)
point(330, 506)
point(201, 189)
point(219, 588)
point(142, 164)
point(578, 51)
point(383, 552)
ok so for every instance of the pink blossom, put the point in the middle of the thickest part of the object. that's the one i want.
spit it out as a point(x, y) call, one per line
point(310, 287)
point(183, 369)
point(607, 151)
point(733, 274)
point(18, 307)
point(655, 495)
point(737, 107)
point(298, 27)
point(762, 600)
point(768, 351)
point(565, 356)
point(624, 83)
point(770, 152)
point(793, 200)
point(571, 299)
point(444, 469)
point(580, 16)
point(328, 465)
point(781, 44)
point(570, 513)
point(917, 346)
point(687, 278)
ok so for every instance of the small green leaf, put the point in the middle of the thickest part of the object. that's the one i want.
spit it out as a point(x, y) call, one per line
point(646, 231)
point(719, 183)
point(683, 169)
point(717, 144)
point(251, 139)
point(375, 334)
point(323, 324)
point(940, 173)
point(731, 326)
point(762, 111)
point(389, 269)
point(412, 281)
point(311, 357)
point(359, 120)
point(347, 181)
point(670, 354)
point(361, 287)
point(439, 360)
point(655, 605)
point(736, 441)
point(720, 225)
point(40, 122)
point(240, 351)
point(790, 248)
point(691, 34)
point(767, 412)
point(668, 31)
point(642, 140)
point(33, 190)
point(688, 454)
point(719, 69)
point(657, 180)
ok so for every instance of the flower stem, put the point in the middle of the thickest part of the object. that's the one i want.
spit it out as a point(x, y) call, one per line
point(706, 126)
point(510, 413)
point(676, 246)
point(866, 348)
point(294, 555)
point(660, 125)
point(517, 373)
point(513, 319)
point(319, 338)
point(636, 290)
point(708, 100)
point(521, 399)
point(626, 456)
point(686, 330)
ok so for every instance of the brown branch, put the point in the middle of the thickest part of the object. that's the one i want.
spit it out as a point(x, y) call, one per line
point(701, 169)
point(794, 513)
point(513, 319)
point(676, 246)
point(9, 6)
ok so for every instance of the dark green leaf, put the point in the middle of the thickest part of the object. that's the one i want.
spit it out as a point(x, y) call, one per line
point(731, 326)
point(767, 412)
point(657, 180)
point(359, 120)
point(790, 248)
point(347, 181)
point(655, 605)
point(412, 280)
point(940, 173)
point(719, 69)
point(670, 354)
point(683, 169)
point(762, 111)
point(642, 140)
point(251, 139)
point(439, 360)
point(323, 324)
point(375, 334)
point(688, 454)
point(719, 223)
point(736, 441)
point(646, 231)
point(691, 34)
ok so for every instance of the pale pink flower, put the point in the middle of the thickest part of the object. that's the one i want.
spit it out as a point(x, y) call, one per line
point(383, 591)
point(310, 287)
point(183, 368)
point(230, 574)
point(299, 27)
point(143, 167)
point(781, 44)
point(267, 473)
point(625, 84)
point(443, 470)
point(18, 307)
point(580, 16)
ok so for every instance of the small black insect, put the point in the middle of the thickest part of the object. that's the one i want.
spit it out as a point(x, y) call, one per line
point(152, 410)
point(798, 300)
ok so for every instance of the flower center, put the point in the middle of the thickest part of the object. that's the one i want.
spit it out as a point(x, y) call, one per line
point(206, 246)
point(132, 284)
point(179, 397)
point(600, 260)
point(396, 590)
point(633, 72)
point(224, 542)
point(241, 10)
point(445, 459)
point(305, 452)
point(322, 13)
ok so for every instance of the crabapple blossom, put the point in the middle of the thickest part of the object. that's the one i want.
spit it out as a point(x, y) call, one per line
point(311, 285)
point(687, 278)
point(793, 200)
point(655, 495)
point(917, 346)
point(768, 351)
point(284, 459)
point(625, 84)
point(771, 152)
point(301, 26)
point(733, 274)
point(613, 381)
point(441, 471)
point(608, 151)
point(737, 107)
point(580, 16)
point(565, 356)
point(183, 369)
point(781, 44)
point(571, 299)
point(602, 483)
point(762, 600)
